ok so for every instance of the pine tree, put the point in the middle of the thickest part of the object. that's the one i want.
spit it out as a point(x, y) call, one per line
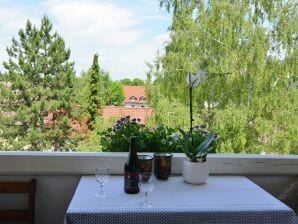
point(39, 85)
point(95, 88)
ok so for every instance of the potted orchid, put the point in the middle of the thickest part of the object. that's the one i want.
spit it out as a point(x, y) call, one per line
point(196, 148)
point(197, 143)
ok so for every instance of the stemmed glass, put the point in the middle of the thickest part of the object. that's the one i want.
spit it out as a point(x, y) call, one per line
point(146, 185)
point(102, 174)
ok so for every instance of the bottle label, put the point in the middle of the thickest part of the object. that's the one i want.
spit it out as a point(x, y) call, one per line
point(132, 181)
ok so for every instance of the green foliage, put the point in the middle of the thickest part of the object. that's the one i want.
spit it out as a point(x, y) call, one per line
point(80, 99)
point(108, 92)
point(38, 82)
point(254, 108)
point(160, 139)
point(196, 145)
point(117, 137)
point(132, 82)
point(241, 37)
point(93, 143)
point(171, 113)
point(115, 94)
point(94, 92)
point(233, 124)
point(269, 129)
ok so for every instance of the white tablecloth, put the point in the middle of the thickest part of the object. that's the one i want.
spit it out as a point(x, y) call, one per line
point(223, 199)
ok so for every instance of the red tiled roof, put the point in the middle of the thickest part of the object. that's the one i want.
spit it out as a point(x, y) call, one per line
point(136, 91)
point(49, 119)
point(77, 126)
point(117, 112)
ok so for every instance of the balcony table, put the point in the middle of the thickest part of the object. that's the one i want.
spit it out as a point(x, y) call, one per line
point(222, 200)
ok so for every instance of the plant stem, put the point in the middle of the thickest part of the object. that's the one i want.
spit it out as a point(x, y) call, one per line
point(190, 112)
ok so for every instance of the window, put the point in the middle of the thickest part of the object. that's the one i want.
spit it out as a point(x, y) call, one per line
point(133, 99)
point(142, 99)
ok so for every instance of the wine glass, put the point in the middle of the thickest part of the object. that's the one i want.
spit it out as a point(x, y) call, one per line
point(146, 185)
point(102, 174)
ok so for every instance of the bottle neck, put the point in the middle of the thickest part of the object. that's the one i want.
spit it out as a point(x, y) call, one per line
point(132, 158)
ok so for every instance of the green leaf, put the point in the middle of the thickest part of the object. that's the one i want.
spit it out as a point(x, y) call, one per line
point(203, 147)
point(185, 145)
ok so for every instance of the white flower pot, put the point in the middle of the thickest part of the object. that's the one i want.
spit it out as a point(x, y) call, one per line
point(195, 173)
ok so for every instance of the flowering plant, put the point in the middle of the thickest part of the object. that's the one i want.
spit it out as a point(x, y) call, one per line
point(196, 144)
point(117, 137)
point(160, 139)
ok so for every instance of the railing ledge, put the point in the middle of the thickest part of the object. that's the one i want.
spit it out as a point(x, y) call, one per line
point(78, 163)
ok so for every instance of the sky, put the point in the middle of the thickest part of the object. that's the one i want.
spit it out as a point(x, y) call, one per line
point(125, 33)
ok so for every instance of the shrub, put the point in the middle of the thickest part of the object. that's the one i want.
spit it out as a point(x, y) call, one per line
point(159, 139)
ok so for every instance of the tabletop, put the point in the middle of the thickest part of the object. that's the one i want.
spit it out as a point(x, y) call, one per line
point(223, 199)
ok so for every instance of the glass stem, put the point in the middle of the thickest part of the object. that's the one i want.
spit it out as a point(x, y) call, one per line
point(146, 198)
point(101, 188)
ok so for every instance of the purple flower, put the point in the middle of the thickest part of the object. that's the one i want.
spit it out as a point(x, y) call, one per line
point(203, 126)
point(195, 127)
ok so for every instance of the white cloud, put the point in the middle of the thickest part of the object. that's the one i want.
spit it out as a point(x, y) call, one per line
point(135, 60)
point(13, 18)
point(104, 22)
point(120, 33)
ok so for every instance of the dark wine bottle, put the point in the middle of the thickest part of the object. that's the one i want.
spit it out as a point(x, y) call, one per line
point(131, 169)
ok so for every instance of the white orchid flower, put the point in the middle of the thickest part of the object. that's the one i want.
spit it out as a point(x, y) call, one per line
point(194, 80)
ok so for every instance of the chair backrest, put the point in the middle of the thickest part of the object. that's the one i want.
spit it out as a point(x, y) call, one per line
point(19, 187)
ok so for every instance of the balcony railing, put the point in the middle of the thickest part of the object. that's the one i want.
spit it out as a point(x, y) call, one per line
point(58, 173)
point(83, 163)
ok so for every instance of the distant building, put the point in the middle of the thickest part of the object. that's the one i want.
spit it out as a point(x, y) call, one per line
point(138, 113)
point(134, 96)
point(135, 105)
